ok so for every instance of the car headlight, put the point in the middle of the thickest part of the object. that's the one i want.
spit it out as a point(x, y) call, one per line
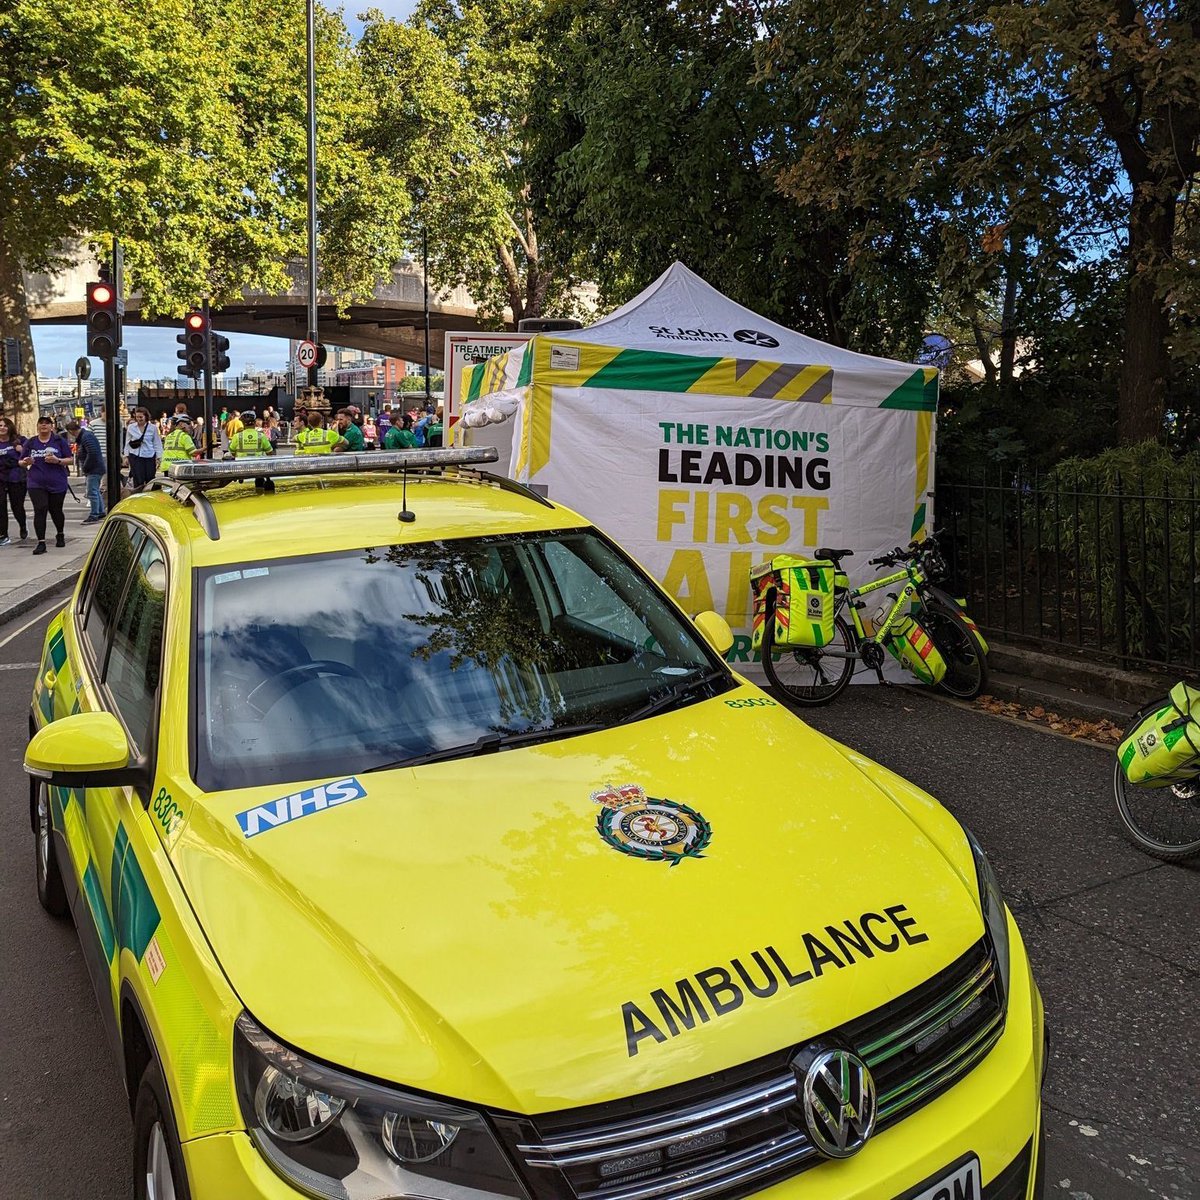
point(341, 1138)
point(994, 917)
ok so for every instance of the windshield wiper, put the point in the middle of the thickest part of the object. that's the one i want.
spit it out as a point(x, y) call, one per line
point(489, 743)
point(676, 694)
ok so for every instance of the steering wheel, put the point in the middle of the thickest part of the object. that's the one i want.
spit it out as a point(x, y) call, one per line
point(268, 693)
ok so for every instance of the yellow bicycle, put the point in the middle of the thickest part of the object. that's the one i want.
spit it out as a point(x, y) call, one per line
point(809, 676)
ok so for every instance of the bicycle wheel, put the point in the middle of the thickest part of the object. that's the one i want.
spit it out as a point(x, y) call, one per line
point(1163, 822)
point(966, 660)
point(808, 677)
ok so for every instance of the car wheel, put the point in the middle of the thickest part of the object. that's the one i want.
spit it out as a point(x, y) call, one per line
point(52, 895)
point(158, 1172)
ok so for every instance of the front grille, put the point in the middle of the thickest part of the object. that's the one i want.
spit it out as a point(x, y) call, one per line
point(741, 1130)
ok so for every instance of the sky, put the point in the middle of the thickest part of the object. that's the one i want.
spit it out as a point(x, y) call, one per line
point(152, 350)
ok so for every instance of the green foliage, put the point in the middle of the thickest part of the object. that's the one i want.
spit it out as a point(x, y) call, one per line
point(867, 173)
point(653, 136)
point(1137, 541)
point(188, 145)
point(416, 383)
point(1062, 401)
point(450, 90)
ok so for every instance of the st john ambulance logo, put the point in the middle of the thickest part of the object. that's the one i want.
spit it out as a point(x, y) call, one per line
point(648, 827)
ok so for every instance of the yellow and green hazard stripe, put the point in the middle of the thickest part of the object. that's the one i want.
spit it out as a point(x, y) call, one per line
point(547, 363)
point(595, 366)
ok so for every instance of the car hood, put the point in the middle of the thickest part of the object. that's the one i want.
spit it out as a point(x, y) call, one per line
point(468, 928)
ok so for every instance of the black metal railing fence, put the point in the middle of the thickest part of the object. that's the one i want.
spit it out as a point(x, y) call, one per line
point(1104, 568)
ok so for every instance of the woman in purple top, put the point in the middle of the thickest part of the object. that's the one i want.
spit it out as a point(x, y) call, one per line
point(46, 456)
point(12, 481)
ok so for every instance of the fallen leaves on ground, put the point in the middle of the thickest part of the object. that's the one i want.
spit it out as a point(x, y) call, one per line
point(1076, 727)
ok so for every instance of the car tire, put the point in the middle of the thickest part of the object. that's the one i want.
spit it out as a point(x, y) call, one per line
point(158, 1171)
point(52, 894)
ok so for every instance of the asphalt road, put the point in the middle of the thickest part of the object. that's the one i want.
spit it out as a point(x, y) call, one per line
point(1112, 935)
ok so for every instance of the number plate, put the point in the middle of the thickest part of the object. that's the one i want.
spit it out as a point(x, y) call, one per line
point(960, 1183)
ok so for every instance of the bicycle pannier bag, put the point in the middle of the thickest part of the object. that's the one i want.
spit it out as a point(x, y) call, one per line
point(913, 649)
point(1165, 747)
point(803, 591)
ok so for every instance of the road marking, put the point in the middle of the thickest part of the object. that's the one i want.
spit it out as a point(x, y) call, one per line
point(29, 624)
point(18, 666)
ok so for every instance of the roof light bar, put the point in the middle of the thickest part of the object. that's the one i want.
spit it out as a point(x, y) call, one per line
point(329, 464)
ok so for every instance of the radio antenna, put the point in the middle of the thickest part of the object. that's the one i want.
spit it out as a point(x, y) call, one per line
point(404, 514)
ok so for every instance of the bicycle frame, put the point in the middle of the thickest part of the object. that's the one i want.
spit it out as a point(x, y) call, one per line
point(912, 578)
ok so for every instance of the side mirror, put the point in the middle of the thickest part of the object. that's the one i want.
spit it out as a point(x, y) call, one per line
point(716, 630)
point(83, 750)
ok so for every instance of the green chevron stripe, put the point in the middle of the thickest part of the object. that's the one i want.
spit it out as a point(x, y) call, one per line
point(652, 370)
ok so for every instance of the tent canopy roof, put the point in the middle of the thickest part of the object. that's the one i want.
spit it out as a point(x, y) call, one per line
point(681, 313)
point(682, 335)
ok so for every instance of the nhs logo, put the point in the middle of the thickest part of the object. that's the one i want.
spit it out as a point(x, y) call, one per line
point(299, 804)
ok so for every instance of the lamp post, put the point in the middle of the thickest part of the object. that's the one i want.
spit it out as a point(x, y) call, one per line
point(312, 190)
point(425, 281)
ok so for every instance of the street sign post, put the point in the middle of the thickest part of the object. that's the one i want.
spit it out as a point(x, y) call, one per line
point(306, 354)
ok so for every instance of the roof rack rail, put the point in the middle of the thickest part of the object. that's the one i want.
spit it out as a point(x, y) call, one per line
point(514, 486)
point(216, 473)
point(206, 515)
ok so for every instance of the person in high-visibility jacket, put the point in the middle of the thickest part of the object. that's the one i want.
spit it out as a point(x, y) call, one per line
point(314, 438)
point(178, 445)
point(249, 442)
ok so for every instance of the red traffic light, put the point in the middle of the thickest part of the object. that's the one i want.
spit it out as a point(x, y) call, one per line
point(194, 320)
point(102, 294)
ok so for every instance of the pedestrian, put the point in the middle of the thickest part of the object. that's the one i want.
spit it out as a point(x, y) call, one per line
point(314, 438)
point(434, 431)
point(223, 419)
point(179, 445)
point(236, 425)
point(46, 456)
point(370, 433)
point(384, 423)
point(400, 437)
point(351, 436)
point(249, 440)
point(92, 466)
point(12, 481)
point(143, 448)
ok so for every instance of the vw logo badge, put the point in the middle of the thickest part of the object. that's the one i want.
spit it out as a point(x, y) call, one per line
point(837, 1096)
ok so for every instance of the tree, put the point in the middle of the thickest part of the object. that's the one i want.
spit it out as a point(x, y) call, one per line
point(190, 147)
point(655, 135)
point(1135, 64)
point(451, 88)
point(1006, 183)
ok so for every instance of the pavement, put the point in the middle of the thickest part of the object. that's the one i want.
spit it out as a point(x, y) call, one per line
point(25, 579)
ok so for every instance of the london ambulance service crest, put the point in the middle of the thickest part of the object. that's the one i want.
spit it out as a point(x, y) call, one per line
point(648, 827)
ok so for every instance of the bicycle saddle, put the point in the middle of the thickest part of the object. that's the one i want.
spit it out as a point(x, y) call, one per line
point(825, 552)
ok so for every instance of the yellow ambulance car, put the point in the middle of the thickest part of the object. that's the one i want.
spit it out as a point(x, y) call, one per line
point(420, 846)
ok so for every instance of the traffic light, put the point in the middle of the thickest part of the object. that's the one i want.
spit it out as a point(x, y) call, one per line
point(184, 368)
point(220, 354)
point(194, 340)
point(103, 320)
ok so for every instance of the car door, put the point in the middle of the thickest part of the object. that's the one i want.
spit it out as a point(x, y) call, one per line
point(120, 624)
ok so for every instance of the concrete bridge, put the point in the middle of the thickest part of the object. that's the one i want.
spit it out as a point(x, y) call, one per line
point(391, 323)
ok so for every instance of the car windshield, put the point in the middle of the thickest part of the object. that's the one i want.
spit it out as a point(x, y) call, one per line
point(333, 664)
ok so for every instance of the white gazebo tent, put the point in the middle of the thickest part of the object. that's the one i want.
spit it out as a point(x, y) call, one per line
point(707, 438)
